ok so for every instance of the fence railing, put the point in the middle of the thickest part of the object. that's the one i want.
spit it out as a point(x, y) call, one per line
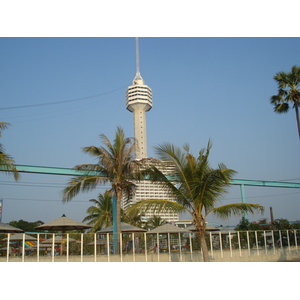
point(268, 245)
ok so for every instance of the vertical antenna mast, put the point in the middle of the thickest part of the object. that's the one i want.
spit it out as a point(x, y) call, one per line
point(137, 59)
point(137, 56)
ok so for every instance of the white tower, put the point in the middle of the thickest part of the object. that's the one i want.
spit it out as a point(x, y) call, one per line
point(139, 101)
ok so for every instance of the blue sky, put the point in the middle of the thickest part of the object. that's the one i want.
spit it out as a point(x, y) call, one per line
point(203, 88)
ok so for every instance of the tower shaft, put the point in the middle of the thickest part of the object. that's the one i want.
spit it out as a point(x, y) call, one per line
point(140, 130)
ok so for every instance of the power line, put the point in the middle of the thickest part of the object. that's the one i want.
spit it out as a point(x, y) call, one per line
point(60, 102)
point(43, 185)
point(40, 200)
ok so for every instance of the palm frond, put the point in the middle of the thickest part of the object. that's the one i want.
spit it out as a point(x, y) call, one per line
point(155, 205)
point(81, 184)
point(229, 210)
point(3, 126)
point(7, 165)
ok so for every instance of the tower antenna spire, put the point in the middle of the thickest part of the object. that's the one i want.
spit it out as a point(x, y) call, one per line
point(137, 55)
point(138, 78)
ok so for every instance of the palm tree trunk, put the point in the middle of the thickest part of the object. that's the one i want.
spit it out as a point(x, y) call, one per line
point(298, 118)
point(200, 226)
point(119, 198)
point(204, 247)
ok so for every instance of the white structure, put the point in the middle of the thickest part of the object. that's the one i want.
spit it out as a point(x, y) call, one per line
point(147, 190)
point(139, 101)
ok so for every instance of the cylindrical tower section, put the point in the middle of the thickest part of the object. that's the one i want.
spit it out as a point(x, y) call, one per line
point(140, 130)
point(139, 101)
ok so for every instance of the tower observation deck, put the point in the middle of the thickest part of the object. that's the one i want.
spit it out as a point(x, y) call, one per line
point(139, 101)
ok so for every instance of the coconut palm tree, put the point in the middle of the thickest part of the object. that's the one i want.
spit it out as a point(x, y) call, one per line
point(155, 221)
point(100, 215)
point(197, 188)
point(115, 165)
point(7, 163)
point(288, 93)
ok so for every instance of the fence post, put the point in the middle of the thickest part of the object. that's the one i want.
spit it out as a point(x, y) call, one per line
point(53, 243)
point(7, 247)
point(239, 241)
point(133, 247)
point(95, 246)
point(157, 246)
point(38, 248)
point(295, 234)
point(180, 254)
point(273, 242)
point(121, 247)
point(67, 247)
point(211, 245)
point(280, 238)
point(107, 247)
point(288, 240)
point(23, 248)
point(81, 248)
point(169, 246)
point(220, 237)
point(256, 241)
point(265, 240)
point(229, 236)
point(248, 241)
point(146, 255)
point(191, 246)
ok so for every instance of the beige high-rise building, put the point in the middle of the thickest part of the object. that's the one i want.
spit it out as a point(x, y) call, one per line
point(139, 101)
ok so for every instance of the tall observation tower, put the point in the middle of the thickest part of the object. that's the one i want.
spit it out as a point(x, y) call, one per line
point(139, 101)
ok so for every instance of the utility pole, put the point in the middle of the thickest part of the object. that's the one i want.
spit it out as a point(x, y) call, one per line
point(271, 214)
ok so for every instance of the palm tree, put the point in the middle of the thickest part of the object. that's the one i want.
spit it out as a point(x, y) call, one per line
point(100, 215)
point(115, 165)
point(155, 221)
point(197, 188)
point(7, 163)
point(288, 93)
point(133, 219)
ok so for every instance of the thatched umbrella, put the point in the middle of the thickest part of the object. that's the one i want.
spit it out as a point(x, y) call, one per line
point(167, 229)
point(18, 237)
point(125, 228)
point(63, 224)
point(6, 228)
point(208, 228)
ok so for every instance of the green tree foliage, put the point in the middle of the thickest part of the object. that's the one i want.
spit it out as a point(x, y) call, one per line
point(288, 93)
point(115, 165)
point(7, 163)
point(26, 226)
point(197, 189)
point(155, 221)
point(245, 225)
point(100, 215)
point(282, 224)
